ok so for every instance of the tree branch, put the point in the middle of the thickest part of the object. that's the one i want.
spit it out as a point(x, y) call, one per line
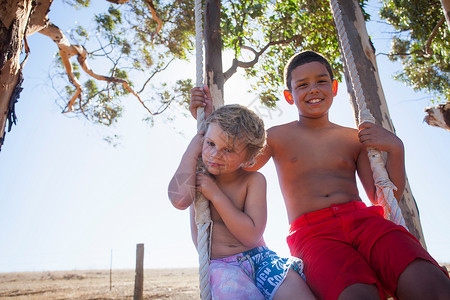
point(67, 50)
point(118, 1)
point(240, 64)
point(154, 73)
point(154, 16)
point(432, 35)
point(152, 9)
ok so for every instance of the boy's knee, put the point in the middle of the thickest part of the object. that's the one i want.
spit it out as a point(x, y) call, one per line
point(360, 291)
point(423, 280)
point(294, 287)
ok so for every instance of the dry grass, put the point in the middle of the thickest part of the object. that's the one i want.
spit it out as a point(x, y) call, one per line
point(177, 284)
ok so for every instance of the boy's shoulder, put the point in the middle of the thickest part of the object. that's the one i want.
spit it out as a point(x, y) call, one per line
point(345, 128)
point(253, 177)
point(282, 127)
point(293, 126)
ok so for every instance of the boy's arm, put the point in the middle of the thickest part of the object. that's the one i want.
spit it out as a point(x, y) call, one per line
point(194, 230)
point(266, 153)
point(246, 225)
point(372, 135)
point(182, 186)
point(261, 159)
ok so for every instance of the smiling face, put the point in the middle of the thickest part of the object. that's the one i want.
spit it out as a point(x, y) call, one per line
point(312, 90)
point(220, 154)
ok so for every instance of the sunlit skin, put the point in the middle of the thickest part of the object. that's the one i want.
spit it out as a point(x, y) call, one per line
point(237, 200)
point(238, 197)
point(220, 155)
point(312, 150)
point(312, 91)
point(317, 162)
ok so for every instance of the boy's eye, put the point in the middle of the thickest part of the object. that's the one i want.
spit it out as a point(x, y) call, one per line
point(209, 143)
point(228, 150)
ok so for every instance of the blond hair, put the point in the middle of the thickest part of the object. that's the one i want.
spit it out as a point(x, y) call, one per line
point(240, 123)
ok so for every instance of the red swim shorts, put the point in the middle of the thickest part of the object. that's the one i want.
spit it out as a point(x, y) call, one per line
point(351, 243)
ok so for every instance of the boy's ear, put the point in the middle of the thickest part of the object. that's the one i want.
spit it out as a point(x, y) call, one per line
point(248, 164)
point(335, 87)
point(288, 97)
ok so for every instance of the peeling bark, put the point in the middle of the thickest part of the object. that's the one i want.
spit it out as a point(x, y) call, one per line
point(438, 116)
point(39, 16)
point(213, 52)
point(364, 56)
point(446, 10)
point(14, 17)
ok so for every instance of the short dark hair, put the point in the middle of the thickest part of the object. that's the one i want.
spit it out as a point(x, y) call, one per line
point(302, 58)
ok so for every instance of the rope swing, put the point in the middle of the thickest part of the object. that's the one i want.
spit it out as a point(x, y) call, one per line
point(384, 187)
point(201, 205)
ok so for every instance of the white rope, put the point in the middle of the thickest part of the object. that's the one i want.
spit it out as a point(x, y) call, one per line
point(202, 213)
point(385, 194)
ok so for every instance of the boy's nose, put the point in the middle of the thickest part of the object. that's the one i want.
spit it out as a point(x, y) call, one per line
point(216, 153)
point(313, 89)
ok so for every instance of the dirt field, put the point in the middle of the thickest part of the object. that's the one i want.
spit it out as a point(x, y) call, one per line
point(177, 284)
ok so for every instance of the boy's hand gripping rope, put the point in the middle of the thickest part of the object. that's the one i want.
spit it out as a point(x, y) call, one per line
point(385, 195)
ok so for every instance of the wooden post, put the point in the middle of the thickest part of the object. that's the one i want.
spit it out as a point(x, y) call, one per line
point(139, 279)
point(110, 273)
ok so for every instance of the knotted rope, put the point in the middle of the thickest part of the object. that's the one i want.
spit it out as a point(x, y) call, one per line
point(384, 187)
point(202, 213)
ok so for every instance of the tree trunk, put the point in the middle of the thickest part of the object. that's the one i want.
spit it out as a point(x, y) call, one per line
point(365, 61)
point(213, 51)
point(446, 10)
point(438, 115)
point(14, 16)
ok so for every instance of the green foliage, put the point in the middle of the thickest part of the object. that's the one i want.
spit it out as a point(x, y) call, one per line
point(125, 38)
point(266, 31)
point(78, 3)
point(424, 68)
point(289, 27)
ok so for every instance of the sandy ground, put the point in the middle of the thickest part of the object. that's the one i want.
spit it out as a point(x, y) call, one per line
point(177, 284)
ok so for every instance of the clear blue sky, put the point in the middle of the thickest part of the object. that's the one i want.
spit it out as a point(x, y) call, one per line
point(68, 198)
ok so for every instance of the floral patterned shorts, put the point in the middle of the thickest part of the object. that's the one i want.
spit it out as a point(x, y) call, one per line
point(254, 274)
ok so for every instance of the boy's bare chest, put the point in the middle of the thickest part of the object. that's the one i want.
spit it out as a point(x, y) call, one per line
point(325, 152)
point(235, 193)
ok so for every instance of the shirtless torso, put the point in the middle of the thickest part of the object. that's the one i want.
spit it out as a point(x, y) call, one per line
point(224, 243)
point(316, 166)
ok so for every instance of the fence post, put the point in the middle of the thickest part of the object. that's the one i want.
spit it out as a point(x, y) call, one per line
point(110, 273)
point(139, 279)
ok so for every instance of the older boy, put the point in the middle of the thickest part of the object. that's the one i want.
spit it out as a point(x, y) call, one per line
point(350, 251)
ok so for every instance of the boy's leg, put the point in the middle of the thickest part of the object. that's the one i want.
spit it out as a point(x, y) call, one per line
point(423, 280)
point(404, 267)
point(333, 266)
point(360, 291)
point(293, 287)
point(342, 273)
